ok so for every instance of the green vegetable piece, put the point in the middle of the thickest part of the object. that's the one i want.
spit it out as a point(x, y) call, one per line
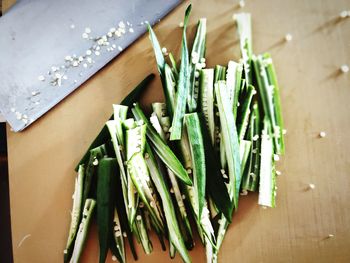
point(103, 135)
point(142, 230)
point(197, 151)
point(182, 85)
point(169, 211)
point(117, 244)
point(267, 188)
point(90, 173)
point(76, 213)
point(243, 116)
point(173, 66)
point(271, 74)
point(207, 100)
point(229, 134)
point(196, 63)
point(106, 173)
point(88, 212)
point(215, 184)
point(220, 73)
point(162, 150)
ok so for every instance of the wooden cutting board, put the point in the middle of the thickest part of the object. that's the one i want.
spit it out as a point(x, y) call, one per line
point(315, 98)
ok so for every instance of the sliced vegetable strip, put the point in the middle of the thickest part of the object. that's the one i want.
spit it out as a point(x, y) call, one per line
point(197, 62)
point(106, 173)
point(182, 85)
point(267, 170)
point(162, 150)
point(88, 211)
point(229, 134)
point(76, 213)
point(174, 231)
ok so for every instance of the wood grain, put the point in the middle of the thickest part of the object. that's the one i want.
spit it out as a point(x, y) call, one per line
point(314, 96)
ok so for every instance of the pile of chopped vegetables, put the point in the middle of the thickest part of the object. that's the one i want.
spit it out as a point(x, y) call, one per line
point(217, 135)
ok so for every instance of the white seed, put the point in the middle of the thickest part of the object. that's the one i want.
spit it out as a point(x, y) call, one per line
point(72, 26)
point(322, 134)
point(131, 30)
point(114, 258)
point(222, 171)
point(80, 58)
point(65, 77)
point(68, 58)
point(124, 234)
point(114, 46)
point(120, 48)
point(97, 53)
point(18, 116)
point(89, 60)
point(138, 217)
point(88, 30)
point(85, 65)
point(255, 137)
point(95, 162)
point(121, 24)
point(330, 235)
point(343, 14)
point(85, 36)
point(312, 186)
point(13, 109)
point(109, 34)
point(288, 37)
point(202, 60)
point(164, 50)
point(284, 131)
point(88, 52)
point(276, 157)
point(41, 78)
point(183, 197)
point(344, 68)
point(278, 172)
point(241, 3)
point(244, 192)
point(196, 74)
point(75, 63)
point(112, 29)
point(181, 24)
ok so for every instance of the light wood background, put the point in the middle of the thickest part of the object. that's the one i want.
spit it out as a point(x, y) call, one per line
point(315, 98)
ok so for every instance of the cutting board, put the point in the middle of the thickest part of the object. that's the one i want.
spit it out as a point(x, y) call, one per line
point(314, 96)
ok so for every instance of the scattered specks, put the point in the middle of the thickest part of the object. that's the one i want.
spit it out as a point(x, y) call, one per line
point(34, 93)
point(114, 46)
point(41, 78)
point(75, 63)
point(80, 58)
point(322, 134)
point(288, 37)
point(131, 30)
point(97, 53)
point(85, 65)
point(13, 109)
point(72, 26)
point(88, 52)
point(75, 81)
point(68, 58)
point(312, 186)
point(87, 30)
point(37, 103)
point(89, 60)
point(85, 36)
point(22, 240)
point(344, 68)
point(120, 48)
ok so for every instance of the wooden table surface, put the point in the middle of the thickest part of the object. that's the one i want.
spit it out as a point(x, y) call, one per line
point(315, 98)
